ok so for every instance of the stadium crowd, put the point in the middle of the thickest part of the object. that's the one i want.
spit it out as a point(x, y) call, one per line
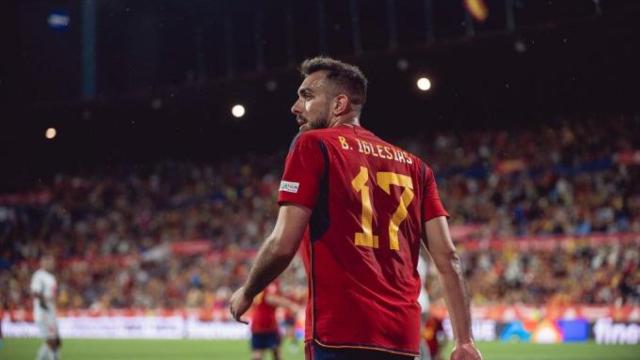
point(113, 232)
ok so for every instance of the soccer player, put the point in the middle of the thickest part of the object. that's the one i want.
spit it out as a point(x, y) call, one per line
point(361, 208)
point(1, 317)
point(265, 334)
point(423, 300)
point(434, 336)
point(298, 296)
point(43, 290)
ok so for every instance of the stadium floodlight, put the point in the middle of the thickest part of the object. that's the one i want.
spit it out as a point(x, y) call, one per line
point(238, 111)
point(59, 20)
point(424, 84)
point(50, 133)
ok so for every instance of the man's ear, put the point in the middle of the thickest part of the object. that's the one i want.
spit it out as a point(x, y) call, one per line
point(341, 105)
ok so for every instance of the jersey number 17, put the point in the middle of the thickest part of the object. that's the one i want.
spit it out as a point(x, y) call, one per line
point(384, 180)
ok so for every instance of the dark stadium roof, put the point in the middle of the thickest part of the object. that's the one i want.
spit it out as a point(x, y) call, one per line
point(167, 73)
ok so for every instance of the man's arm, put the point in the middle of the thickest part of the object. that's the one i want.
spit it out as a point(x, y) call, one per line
point(40, 296)
point(274, 256)
point(440, 246)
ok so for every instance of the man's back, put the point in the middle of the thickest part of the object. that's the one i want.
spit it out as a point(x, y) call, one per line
point(359, 208)
point(369, 200)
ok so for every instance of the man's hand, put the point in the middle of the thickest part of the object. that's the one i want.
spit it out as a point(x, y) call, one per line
point(239, 304)
point(466, 351)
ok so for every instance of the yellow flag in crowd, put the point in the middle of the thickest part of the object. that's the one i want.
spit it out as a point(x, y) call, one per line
point(478, 9)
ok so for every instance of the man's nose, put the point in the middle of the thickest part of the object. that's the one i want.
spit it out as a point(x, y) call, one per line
point(295, 109)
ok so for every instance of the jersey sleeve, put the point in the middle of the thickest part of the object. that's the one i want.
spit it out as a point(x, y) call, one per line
point(431, 204)
point(302, 172)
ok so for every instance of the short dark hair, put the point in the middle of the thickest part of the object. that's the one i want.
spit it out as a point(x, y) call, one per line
point(349, 77)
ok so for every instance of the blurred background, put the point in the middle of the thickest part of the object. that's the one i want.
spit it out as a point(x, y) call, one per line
point(142, 144)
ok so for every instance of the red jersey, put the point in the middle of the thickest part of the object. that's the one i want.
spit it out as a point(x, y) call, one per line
point(369, 200)
point(264, 315)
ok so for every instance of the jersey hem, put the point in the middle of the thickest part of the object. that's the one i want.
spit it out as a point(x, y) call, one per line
point(436, 216)
point(367, 347)
point(284, 202)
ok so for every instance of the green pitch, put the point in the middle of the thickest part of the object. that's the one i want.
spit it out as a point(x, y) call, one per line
point(22, 349)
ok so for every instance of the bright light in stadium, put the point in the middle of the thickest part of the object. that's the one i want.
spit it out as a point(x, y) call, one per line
point(424, 84)
point(50, 133)
point(238, 111)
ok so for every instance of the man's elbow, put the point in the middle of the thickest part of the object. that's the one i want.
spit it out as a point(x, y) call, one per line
point(448, 262)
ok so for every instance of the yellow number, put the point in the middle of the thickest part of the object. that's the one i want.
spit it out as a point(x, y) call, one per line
point(366, 237)
point(385, 180)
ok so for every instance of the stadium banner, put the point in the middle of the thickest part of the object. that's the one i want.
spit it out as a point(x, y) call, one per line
point(609, 332)
point(533, 313)
point(604, 330)
point(482, 329)
point(135, 327)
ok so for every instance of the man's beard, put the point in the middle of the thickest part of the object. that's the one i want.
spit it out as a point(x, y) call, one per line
point(321, 123)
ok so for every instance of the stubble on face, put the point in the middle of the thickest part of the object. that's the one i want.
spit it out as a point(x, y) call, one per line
point(321, 120)
point(318, 116)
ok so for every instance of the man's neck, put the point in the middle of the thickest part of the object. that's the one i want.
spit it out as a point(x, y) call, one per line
point(350, 119)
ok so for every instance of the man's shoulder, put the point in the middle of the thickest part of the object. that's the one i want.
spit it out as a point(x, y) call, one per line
point(390, 144)
point(309, 136)
point(42, 273)
point(317, 133)
point(37, 276)
point(416, 160)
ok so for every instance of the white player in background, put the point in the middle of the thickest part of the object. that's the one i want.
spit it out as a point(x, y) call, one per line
point(43, 290)
point(423, 300)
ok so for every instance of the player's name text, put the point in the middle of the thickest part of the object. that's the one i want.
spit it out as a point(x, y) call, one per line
point(375, 150)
